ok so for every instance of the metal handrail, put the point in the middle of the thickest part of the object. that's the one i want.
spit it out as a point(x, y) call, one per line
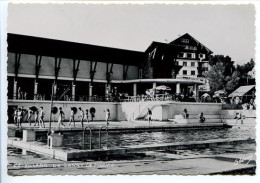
point(102, 127)
point(90, 138)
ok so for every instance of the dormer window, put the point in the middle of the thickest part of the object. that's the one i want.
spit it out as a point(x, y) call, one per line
point(185, 40)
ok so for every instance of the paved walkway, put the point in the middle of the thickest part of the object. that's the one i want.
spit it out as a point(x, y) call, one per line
point(179, 162)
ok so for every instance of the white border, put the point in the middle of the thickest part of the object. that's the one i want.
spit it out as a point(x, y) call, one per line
point(64, 179)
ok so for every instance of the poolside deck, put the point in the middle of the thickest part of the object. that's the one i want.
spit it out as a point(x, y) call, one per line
point(126, 127)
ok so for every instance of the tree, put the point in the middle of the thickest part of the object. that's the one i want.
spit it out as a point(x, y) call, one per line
point(216, 77)
point(243, 70)
point(227, 62)
point(220, 79)
point(232, 81)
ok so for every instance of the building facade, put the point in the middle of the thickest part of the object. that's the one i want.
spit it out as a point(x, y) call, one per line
point(194, 58)
point(39, 68)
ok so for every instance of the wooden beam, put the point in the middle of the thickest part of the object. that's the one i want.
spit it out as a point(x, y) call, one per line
point(92, 71)
point(38, 61)
point(17, 64)
point(75, 68)
point(125, 69)
point(57, 67)
point(109, 72)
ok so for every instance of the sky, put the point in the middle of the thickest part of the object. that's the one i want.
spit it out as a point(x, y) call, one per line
point(224, 29)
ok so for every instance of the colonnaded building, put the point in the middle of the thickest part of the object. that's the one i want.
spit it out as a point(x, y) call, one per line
point(81, 74)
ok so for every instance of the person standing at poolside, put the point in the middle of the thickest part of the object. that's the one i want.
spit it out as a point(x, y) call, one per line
point(19, 117)
point(61, 115)
point(87, 115)
point(186, 115)
point(72, 116)
point(107, 116)
point(41, 116)
point(29, 115)
point(149, 113)
point(15, 116)
point(36, 113)
point(202, 118)
point(22, 114)
point(81, 116)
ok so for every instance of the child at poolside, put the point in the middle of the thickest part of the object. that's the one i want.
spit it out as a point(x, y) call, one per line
point(186, 115)
point(29, 115)
point(202, 118)
point(107, 116)
point(81, 116)
point(72, 116)
point(36, 117)
point(149, 113)
point(87, 115)
point(60, 117)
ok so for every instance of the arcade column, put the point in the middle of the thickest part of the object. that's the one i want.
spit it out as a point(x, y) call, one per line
point(195, 89)
point(90, 90)
point(54, 89)
point(73, 91)
point(154, 85)
point(107, 89)
point(15, 90)
point(134, 89)
point(178, 88)
point(35, 92)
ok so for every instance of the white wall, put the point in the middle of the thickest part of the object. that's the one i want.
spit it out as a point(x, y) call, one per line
point(170, 110)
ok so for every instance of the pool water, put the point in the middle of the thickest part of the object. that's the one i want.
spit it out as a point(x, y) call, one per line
point(116, 140)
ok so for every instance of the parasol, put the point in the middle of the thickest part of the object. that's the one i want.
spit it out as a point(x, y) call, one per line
point(163, 87)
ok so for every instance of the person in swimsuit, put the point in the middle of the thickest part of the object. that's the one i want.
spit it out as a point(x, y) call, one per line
point(41, 116)
point(81, 116)
point(29, 115)
point(61, 115)
point(72, 116)
point(107, 116)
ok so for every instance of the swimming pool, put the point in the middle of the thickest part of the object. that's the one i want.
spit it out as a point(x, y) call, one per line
point(117, 140)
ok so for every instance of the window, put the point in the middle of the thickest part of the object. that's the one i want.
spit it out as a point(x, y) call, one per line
point(181, 55)
point(184, 63)
point(140, 73)
point(189, 55)
point(193, 73)
point(192, 64)
point(187, 47)
point(202, 56)
point(184, 72)
point(185, 41)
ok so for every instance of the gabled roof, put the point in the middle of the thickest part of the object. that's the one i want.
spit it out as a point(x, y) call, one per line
point(173, 48)
point(242, 90)
point(58, 48)
point(192, 38)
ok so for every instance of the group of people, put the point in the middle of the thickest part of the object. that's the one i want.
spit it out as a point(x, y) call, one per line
point(200, 116)
point(20, 114)
point(21, 95)
point(185, 116)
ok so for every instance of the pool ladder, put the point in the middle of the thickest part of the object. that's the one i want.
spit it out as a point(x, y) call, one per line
point(90, 136)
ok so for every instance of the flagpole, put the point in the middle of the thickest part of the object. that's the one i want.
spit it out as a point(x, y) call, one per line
point(51, 105)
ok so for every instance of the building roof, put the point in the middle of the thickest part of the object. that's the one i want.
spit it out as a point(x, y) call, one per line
point(58, 48)
point(242, 90)
point(167, 47)
point(192, 38)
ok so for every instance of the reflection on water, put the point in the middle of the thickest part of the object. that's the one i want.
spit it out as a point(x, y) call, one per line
point(74, 140)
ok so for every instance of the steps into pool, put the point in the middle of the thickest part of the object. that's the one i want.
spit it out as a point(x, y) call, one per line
point(194, 118)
